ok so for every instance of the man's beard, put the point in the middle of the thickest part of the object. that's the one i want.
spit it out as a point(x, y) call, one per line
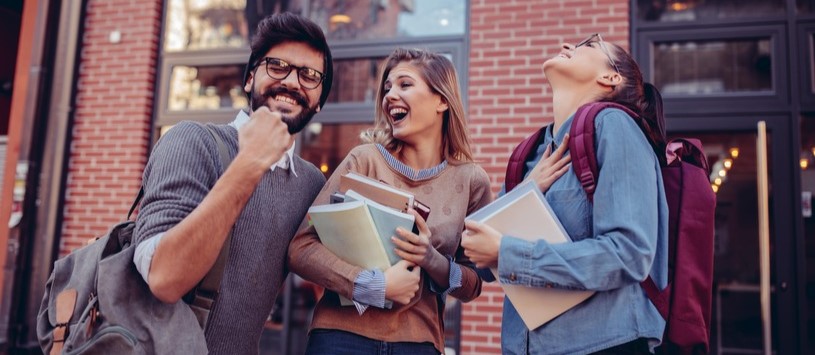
point(295, 123)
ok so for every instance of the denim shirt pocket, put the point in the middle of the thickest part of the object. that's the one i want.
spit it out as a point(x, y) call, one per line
point(573, 210)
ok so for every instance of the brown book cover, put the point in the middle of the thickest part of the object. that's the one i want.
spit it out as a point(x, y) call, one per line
point(382, 193)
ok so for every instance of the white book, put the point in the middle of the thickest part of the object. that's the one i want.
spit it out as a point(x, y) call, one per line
point(524, 213)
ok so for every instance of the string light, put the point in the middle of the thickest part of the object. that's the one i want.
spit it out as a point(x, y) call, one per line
point(734, 152)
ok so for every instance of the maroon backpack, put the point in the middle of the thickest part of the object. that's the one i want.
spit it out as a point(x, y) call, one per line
point(686, 302)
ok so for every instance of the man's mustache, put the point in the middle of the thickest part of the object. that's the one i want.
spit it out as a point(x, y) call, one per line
point(296, 96)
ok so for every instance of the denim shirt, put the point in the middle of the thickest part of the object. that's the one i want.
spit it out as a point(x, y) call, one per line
point(617, 242)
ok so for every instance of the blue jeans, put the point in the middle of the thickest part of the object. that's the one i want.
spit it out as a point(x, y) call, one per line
point(337, 342)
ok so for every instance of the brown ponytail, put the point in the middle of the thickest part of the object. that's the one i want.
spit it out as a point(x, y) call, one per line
point(641, 97)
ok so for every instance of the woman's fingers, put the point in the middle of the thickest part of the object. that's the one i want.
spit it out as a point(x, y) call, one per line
point(408, 236)
point(547, 152)
point(412, 258)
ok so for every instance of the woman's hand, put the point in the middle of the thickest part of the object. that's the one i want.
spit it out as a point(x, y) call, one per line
point(481, 244)
point(402, 282)
point(551, 166)
point(417, 248)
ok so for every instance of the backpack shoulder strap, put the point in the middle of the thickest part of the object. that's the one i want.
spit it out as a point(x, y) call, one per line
point(581, 143)
point(204, 295)
point(517, 161)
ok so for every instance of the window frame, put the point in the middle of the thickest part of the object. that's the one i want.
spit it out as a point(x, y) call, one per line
point(707, 23)
point(776, 99)
point(806, 54)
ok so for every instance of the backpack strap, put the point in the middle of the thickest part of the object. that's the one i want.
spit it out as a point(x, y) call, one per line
point(584, 163)
point(204, 295)
point(517, 161)
point(581, 143)
point(66, 301)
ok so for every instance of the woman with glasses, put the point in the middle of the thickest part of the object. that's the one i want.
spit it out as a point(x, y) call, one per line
point(618, 239)
point(420, 145)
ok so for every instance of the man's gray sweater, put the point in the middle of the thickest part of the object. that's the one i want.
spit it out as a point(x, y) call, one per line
point(182, 168)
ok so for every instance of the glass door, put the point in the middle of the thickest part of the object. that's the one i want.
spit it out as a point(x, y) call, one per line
point(736, 320)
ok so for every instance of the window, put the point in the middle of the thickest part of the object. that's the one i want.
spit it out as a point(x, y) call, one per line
point(206, 87)
point(703, 70)
point(207, 24)
point(205, 49)
point(695, 10)
point(708, 67)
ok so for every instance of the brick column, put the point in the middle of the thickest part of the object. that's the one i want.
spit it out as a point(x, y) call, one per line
point(114, 107)
point(510, 99)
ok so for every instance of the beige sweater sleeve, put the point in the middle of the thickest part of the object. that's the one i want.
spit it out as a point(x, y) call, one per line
point(311, 260)
point(480, 196)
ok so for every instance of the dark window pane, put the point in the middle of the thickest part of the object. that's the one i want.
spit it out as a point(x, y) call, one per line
point(806, 6)
point(326, 145)
point(355, 80)
point(693, 10)
point(209, 87)
point(205, 24)
point(348, 20)
point(709, 67)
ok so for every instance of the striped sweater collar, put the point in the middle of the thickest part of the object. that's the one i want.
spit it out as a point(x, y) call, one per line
point(408, 172)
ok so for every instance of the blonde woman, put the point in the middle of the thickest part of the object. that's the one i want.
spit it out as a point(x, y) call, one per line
point(420, 145)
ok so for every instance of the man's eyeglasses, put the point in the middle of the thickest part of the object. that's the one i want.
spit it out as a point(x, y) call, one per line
point(280, 69)
point(597, 38)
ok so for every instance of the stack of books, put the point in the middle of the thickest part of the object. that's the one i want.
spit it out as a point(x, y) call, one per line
point(363, 216)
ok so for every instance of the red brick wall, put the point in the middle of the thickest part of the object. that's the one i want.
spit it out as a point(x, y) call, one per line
point(509, 99)
point(113, 116)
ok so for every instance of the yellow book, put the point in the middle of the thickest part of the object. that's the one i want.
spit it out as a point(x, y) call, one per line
point(348, 230)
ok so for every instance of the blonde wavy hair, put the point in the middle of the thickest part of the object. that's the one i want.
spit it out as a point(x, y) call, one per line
point(440, 75)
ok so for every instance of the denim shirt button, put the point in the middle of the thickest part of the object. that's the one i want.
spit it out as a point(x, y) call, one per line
point(512, 277)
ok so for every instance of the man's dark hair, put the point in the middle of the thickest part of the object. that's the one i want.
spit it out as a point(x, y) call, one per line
point(287, 27)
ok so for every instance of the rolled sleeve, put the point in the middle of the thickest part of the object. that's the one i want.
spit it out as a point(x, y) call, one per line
point(369, 290)
point(454, 279)
point(143, 256)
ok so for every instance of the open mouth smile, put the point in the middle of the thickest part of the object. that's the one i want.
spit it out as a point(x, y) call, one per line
point(398, 113)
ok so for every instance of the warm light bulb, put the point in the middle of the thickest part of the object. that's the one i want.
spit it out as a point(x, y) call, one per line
point(715, 188)
point(339, 18)
point(728, 163)
point(734, 152)
point(679, 6)
point(324, 167)
point(804, 163)
point(722, 173)
point(717, 181)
